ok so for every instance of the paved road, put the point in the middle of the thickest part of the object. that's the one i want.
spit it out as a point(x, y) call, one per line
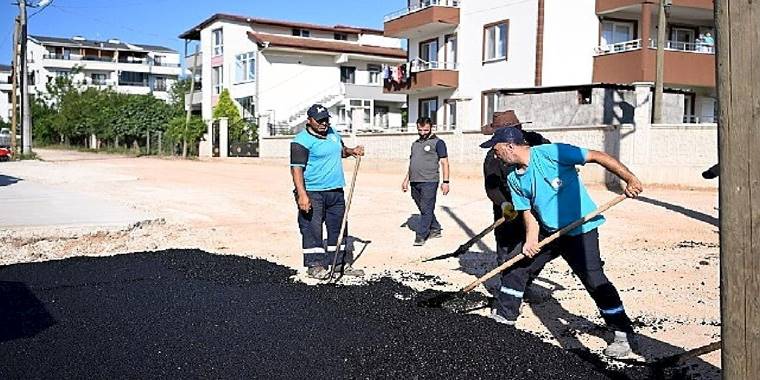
point(26, 203)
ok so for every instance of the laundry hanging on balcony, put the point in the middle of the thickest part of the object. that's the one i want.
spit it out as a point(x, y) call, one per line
point(397, 77)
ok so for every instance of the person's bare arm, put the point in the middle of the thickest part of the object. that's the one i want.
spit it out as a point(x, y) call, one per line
point(530, 247)
point(633, 185)
point(355, 151)
point(445, 170)
point(304, 204)
point(405, 183)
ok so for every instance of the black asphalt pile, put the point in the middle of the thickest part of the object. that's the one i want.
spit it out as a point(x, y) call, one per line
point(190, 314)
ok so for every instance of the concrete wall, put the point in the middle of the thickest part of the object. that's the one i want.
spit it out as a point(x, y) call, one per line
point(608, 107)
point(571, 32)
point(668, 154)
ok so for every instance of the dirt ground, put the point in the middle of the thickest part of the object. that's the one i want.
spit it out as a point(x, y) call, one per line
point(661, 251)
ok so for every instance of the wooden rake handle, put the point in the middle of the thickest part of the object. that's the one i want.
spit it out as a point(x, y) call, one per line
point(345, 215)
point(544, 242)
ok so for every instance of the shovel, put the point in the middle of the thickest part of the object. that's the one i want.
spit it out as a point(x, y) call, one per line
point(440, 299)
point(466, 246)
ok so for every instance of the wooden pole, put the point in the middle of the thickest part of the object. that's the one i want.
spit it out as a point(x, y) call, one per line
point(14, 87)
point(189, 104)
point(659, 77)
point(738, 70)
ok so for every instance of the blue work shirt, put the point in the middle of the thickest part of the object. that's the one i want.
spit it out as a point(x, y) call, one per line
point(550, 185)
point(322, 161)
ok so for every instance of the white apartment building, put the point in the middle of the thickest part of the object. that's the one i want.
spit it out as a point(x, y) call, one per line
point(462, 52)
point(6, 102)
point(125, 67)
point(275, 70)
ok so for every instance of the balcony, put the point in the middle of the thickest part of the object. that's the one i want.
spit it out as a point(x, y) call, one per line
point(427, 76)
point(422, 17)
point(374, 92)
point(608, 6)
point(686, 64)
point(190, 58)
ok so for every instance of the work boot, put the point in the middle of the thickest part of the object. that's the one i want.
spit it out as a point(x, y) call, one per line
point(318, 272)
point(419, 241)
point(620, 346)
point(348, 271)
point(498, 318)
point(434, 234)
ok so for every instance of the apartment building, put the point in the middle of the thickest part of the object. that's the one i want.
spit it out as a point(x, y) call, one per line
point(464, 54)
point(125, 67)
point(6, 101)
point(275, 70)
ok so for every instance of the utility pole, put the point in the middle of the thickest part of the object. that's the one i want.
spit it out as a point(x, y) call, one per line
point(14, 86)
point(660, 61)
point(189, 105)
point(738, 67)
point(26, 112)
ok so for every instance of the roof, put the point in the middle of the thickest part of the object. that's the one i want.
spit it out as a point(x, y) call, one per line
point(5, 68)
point(325, 45)
point(99, 44)
point(194, 33)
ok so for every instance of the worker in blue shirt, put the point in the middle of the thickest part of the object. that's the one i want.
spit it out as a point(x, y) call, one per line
point(317, 170)
point(543, 179)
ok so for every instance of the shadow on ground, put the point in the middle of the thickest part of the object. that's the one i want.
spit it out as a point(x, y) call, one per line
point(8, 180)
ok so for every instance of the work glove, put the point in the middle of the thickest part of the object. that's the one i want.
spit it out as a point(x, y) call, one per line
point(508, 211)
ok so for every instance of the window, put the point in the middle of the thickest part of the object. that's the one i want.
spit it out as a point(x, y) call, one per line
point(490, 102)
point(340, 36)
point(245, 67)
point(374, 73)
point(217, 79)
point(98, 78)
point(584, 96)
point(450, 54)
point(614, 32)
point(495, 41)
point(681, 39)
point(428, 108)
point(301, 32)
point(348, 74)
point(429, 53)
point(451, 114)
point(130, 78)
point(381, 117)
point(249, 107)
point(217, 41)
point(158, 60)
point(159, 84)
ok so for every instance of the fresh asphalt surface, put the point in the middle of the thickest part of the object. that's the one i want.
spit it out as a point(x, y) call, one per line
point(190, 314)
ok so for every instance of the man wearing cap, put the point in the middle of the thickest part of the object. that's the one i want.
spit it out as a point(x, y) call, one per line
point(317, 170)
point(428, 151)
point(543, 179)
point(511, 234)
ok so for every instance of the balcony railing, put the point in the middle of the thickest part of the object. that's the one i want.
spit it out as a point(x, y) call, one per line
point(96, 58)
point(694, 119)
point(165, 64)
point(135, 60)
point(133, 84)
point(618, 47)
point(64, 57)
point(419, 65)
point(692, 47)
point(422, 4)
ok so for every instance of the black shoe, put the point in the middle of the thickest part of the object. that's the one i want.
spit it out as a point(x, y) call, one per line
point(419, 241)
point(434, 234)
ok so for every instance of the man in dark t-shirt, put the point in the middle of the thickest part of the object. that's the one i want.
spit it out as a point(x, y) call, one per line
point(428, 152)
point(510, 235)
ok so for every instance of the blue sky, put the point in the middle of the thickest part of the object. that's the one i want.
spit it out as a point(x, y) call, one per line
point(159, 22)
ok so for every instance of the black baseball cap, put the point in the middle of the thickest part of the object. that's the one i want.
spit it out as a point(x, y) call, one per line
point(505, 135)
point(318, 112)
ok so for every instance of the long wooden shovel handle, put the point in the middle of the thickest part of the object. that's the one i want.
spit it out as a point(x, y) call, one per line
point(345, 215)
point(544, 242)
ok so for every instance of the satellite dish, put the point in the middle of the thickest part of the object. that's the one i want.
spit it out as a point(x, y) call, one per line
point(44, 3)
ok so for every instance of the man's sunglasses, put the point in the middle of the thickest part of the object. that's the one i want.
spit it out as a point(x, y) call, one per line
point(324, 121)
